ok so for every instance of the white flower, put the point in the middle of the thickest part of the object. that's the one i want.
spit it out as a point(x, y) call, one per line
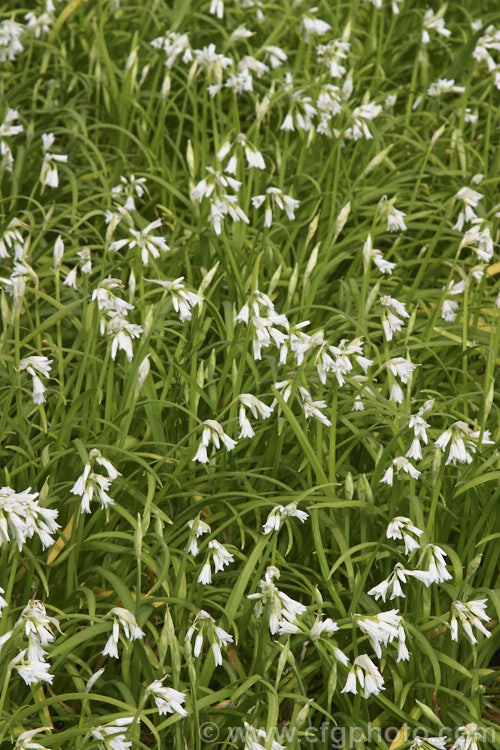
point(400, 463)
point(464, 442)
point(90, 483)
point(391, 308)
point(467, 738)
point(470, 614)
point(470, 199)
point(36, 623)
point(402, 528)
point(204, 626)
point(323, 626)
point(279, 605)
point(429, 743)
point(395, 217)
point(279, 513)
point(401, 368)
point(366, 673)
point(252, 737)
point(313, 408)
point(183, 300)
point(198, 528)
point(359, 117)
point(34, 365)
point(313, 25)
point(25, 740)
point(444, 86)
point(32, 670)
point(131, 630)
point(258, 409)
point(275, 198)
point(392, 583)
point(381, 629)
point(23, 517)
point(113, 736)
point(167, 699)
point(332, 54)
point(436, 572)
point(435, 22)
point(371, 253)
point(147, 243)
point(212, 433)
point(49, 174)
point(220, 557)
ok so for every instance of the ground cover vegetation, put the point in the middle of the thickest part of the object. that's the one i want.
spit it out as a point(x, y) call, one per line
point(248, 418)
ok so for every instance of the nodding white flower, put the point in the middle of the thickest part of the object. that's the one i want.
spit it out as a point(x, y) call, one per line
point(220, 557)
point(340, 364)
point(464, 442)
point(382, 628)
point(7, 130)
point(31, 668)
point(324, 626)
point(12, 239)
point(174, 45)
point(429, 743)
point(212, 433)
point(113, 736)
point(395, 217)
point(279, 513)
point(25, 740)
point(198, 528)
point(371, 253)
point(435, 22)
point(129, 187)
point(275, 198)
point(359, 117)
point(402, 528)
point(470, 199)
point(275, 55)
point(312, 25)
point(263, 323)
point(480, 240)
point(449, 307)
point(37, 624)
point(313, 408)
point(108, 302)
point(258, 409)
point(3, 602)
point(10, 35)
point(167, 699)
point(183, 300)
point(22, 516)
point(434, 557)
point(204, 626)
point(148, 244)
point(390, 584)
point(131, 630)
point(40, 24)
point(49, 174)
point(35, 366)
point(279, 605)
point(467, 738)
point(253, 735)
point(121, 333)
point(253, 156)
point(400, 463)
point(444, 86)
point(366, 674)
point(331, 54)
point(401, 368)
point(86, 260)
point(90, 483)
point(469, 614)
point(212, 62)
point(391, 308)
